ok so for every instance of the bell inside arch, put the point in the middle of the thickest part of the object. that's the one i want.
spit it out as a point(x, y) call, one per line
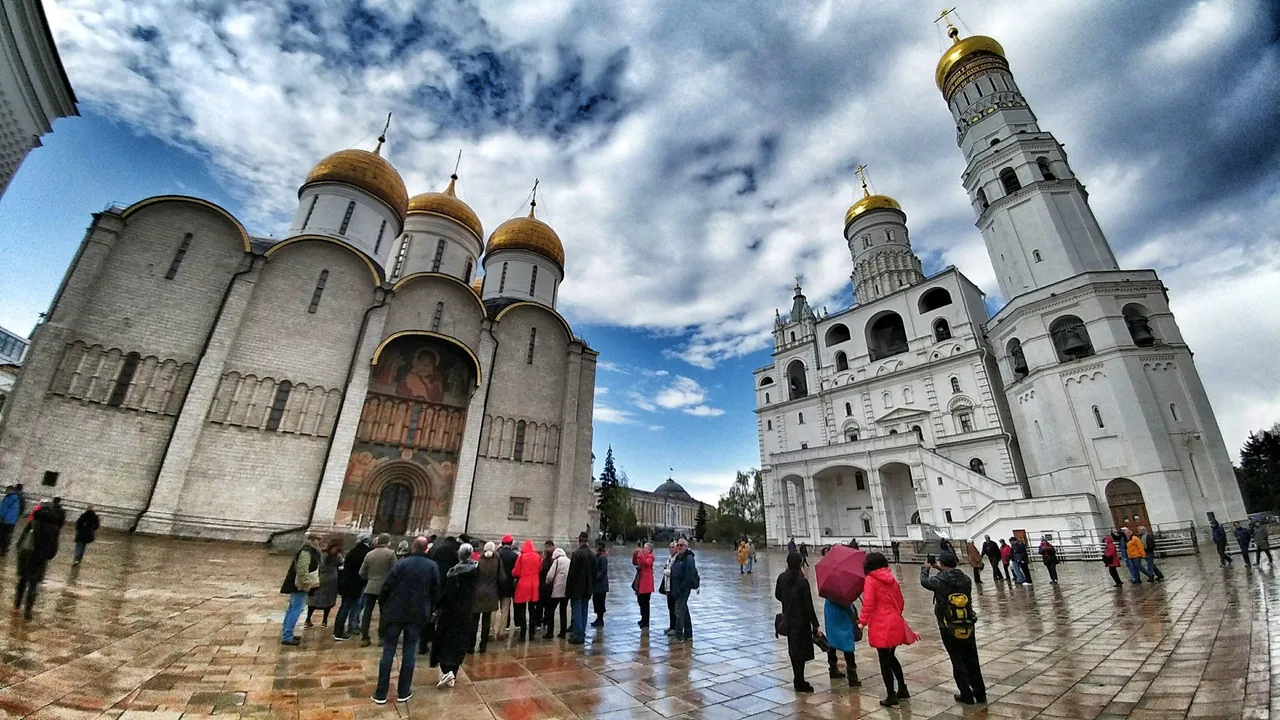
point(1019, 361)
point(1074, 343)
point(1140, 330)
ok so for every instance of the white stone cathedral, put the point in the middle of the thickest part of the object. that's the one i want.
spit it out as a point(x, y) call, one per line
point(913, 415)
point(191, 379)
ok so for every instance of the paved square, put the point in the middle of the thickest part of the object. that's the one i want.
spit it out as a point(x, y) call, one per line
point(157, 629)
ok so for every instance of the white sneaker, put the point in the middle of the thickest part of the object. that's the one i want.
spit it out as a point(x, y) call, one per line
point(452, 679)
point(446, 679)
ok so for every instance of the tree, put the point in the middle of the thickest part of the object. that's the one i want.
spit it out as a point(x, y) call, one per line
point(700, 522)
point(612, 500)
point(740, 512)
point(1259, 471)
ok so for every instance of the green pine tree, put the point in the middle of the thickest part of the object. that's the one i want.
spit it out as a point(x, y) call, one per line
point(700, 522)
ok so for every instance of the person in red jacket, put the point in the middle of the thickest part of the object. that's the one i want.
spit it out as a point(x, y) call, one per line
point(528, 574)
point(643, 584)
point(1111, 558)
point(886, 628)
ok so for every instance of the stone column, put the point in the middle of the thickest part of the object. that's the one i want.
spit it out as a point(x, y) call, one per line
point(811, 510)
point(562, 513)
point(465, 480)
point(167, 497)
point(344, 430)
point(880, 507)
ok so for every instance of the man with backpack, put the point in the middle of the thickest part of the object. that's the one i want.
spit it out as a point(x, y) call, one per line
point(953, 607)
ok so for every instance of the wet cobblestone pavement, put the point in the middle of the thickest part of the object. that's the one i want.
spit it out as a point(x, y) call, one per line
point(153, 629)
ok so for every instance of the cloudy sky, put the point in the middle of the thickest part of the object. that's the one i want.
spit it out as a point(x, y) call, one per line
point(693, 156)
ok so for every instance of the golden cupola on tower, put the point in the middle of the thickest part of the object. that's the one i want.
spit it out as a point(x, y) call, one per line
point(868, 202)
point(528, 233)
point(446, 204)
point(364, 170)
point(951, 73)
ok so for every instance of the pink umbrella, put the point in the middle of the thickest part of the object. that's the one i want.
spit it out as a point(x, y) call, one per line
point(840, 574)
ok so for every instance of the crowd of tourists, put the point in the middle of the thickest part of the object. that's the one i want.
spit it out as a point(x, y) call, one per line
point(448, 598)
point(37, 542)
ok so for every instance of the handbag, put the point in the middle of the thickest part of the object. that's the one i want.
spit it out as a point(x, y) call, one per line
point(821, 641)
point(635, 583)
point(310, 581)
point(779, 625)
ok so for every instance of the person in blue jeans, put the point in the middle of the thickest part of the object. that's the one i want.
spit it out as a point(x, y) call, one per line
point(579, 587)
point(684, 580)
point(296, 585)
point(408, 595)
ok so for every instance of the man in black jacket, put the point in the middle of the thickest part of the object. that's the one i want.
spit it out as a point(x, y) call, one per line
point(579, 587)
point(37, 545)
point(991, 551)
point(86, 531)
point(953, 607)
point(351, 589)
point(408, 595)
point(546, 604)
point(507, 555)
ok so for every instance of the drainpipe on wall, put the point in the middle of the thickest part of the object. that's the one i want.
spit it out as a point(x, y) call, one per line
point(204, 350)
point(484, 411)
point(342, 402)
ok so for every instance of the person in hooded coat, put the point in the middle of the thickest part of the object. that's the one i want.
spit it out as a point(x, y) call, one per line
point(886, 628)
point(351, 589)
point(557, 579)
point(86, 531)
point(453, 635)
point(325, 597)
point(507, 555)
point(1261, 543)
point(528, 574)
point(1111, 556)
point(799, 618)
point(642, 585)
point(485, 601)
point(37, 545)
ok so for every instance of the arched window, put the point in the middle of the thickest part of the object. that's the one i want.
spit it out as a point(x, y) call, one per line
point(278, 404)
point(964, 419)
point(346, 218)
point(982, 200)
point(977, 466)
point(793, 337)
point(955, 385)
point(502, 281)
point(887, 399)
point(848, 410)
point(1173, 410)
point(315, 295)
point(128, 369)
point(466, 273)
point(766, 399)
point(842, 361)
point(766, 380)
point(800, 416)
point(1009, 179)
point(796, 381)
point(907, 396)
point(1035, 254)
point(1017, 360)
point(178, 256)
point(768, 424)
point(941, 330)
point(517, 449)
point(439, 258)
point(919, 433)
point(1135, 317)
point(859, 480)
point(435, 319)
point(934, 299)
point(893, 431)
point(837, 334)
point(377, 244)
point(533, 338)
point(886, 335)
point(533, 281)
point(1070, 338)
point(1045, 170)
point(1097, 416)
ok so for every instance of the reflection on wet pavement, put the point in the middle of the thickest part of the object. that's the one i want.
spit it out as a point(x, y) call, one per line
point(156, 629)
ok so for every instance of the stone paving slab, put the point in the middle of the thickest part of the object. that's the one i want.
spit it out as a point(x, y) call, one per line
point(160, 629)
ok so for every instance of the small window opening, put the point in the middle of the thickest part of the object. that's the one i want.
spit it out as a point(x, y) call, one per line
point(502, 281)
point(439, 258)
point(127, 370)
point(177, 257)
point(1173, 410)
point(801, 416)
point(1045, 170)
point(278, 404)
point(1009, 179)
point(346, 219)
point(533, 339)
point(848, 410)
point(1097, 416)
point(377, 244)
point(310, 209)
point(1036, 254)
point(315, 295)
point(517, 452)
point(435, 319)
point(955, 385)
point(978, 466)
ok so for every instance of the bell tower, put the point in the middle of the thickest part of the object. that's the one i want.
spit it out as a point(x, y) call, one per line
point(1102, 389)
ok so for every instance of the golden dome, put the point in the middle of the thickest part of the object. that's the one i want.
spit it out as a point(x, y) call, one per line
point(365, 170)
point(478, 284)
point(448, 205)
point(528, 233)
point(869, 203)
point(962, 50)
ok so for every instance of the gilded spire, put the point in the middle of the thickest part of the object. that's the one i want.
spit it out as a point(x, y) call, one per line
point(862, 175)
point(382, 138)
point(533, 203)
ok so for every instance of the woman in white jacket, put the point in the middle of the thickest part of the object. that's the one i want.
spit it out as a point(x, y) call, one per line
point(665, 589)
point(557, 578)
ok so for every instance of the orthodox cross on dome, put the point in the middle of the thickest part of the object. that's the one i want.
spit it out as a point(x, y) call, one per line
point(862, 175)
point(452, 191)
point(382, 137)
point(533, 203)
point(953, 32)
point(456, 165)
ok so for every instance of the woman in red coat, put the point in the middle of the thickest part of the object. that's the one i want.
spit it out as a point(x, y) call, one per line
point(886, 628)
point(1111, 558)
point(528, 572)
point(643, 584)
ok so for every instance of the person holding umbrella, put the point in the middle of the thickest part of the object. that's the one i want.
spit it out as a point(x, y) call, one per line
point(799, 621)
point(841, 579)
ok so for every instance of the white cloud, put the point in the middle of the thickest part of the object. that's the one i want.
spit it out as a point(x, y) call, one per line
point(606, 414)
point(703, 411)
point(681, 393)
point(641, 401)
point(611, 367)
point(601, 391)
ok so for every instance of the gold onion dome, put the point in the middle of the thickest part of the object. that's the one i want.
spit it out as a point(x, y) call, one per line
point(869, 203)
point(448, 205)
point(365, 170)
point(962, 50)
point(528, 233)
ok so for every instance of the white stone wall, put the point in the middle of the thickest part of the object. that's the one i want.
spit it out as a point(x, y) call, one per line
point(34, 90)
point(364, 231)
point(422, 236)
point(413, 307)
point(519, 280)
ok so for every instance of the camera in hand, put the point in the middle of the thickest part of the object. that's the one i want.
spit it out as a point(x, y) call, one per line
point(930, 559)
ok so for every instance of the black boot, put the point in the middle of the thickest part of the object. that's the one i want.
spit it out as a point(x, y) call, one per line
point(834, 673)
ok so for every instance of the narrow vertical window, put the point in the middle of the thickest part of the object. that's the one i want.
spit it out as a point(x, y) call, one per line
point(178, 256)
point(1036, 254)
point(439, 258)
point(466, 274)
point(848, 410)
point(800, 418)
point(124, 379)
point(277, 405)
point(768, 424)
point(533, 280)
point(404, 250)
point(315, 296)
point(310, 209)
point(517, 451)
point(377, 245)
point(766, 399)
point(1173, 410)
point(955, 385)
point(502, 281)
point(533, 338)
point(346, 219)
point(1097, 416)
point(435, 319)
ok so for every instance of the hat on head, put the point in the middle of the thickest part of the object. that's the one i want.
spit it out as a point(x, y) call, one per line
point(948, 559)
point(582, 537)
point(507, 539)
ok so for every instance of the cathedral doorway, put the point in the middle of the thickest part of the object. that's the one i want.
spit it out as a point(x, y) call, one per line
point(1128, 509)
point(393, 509)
